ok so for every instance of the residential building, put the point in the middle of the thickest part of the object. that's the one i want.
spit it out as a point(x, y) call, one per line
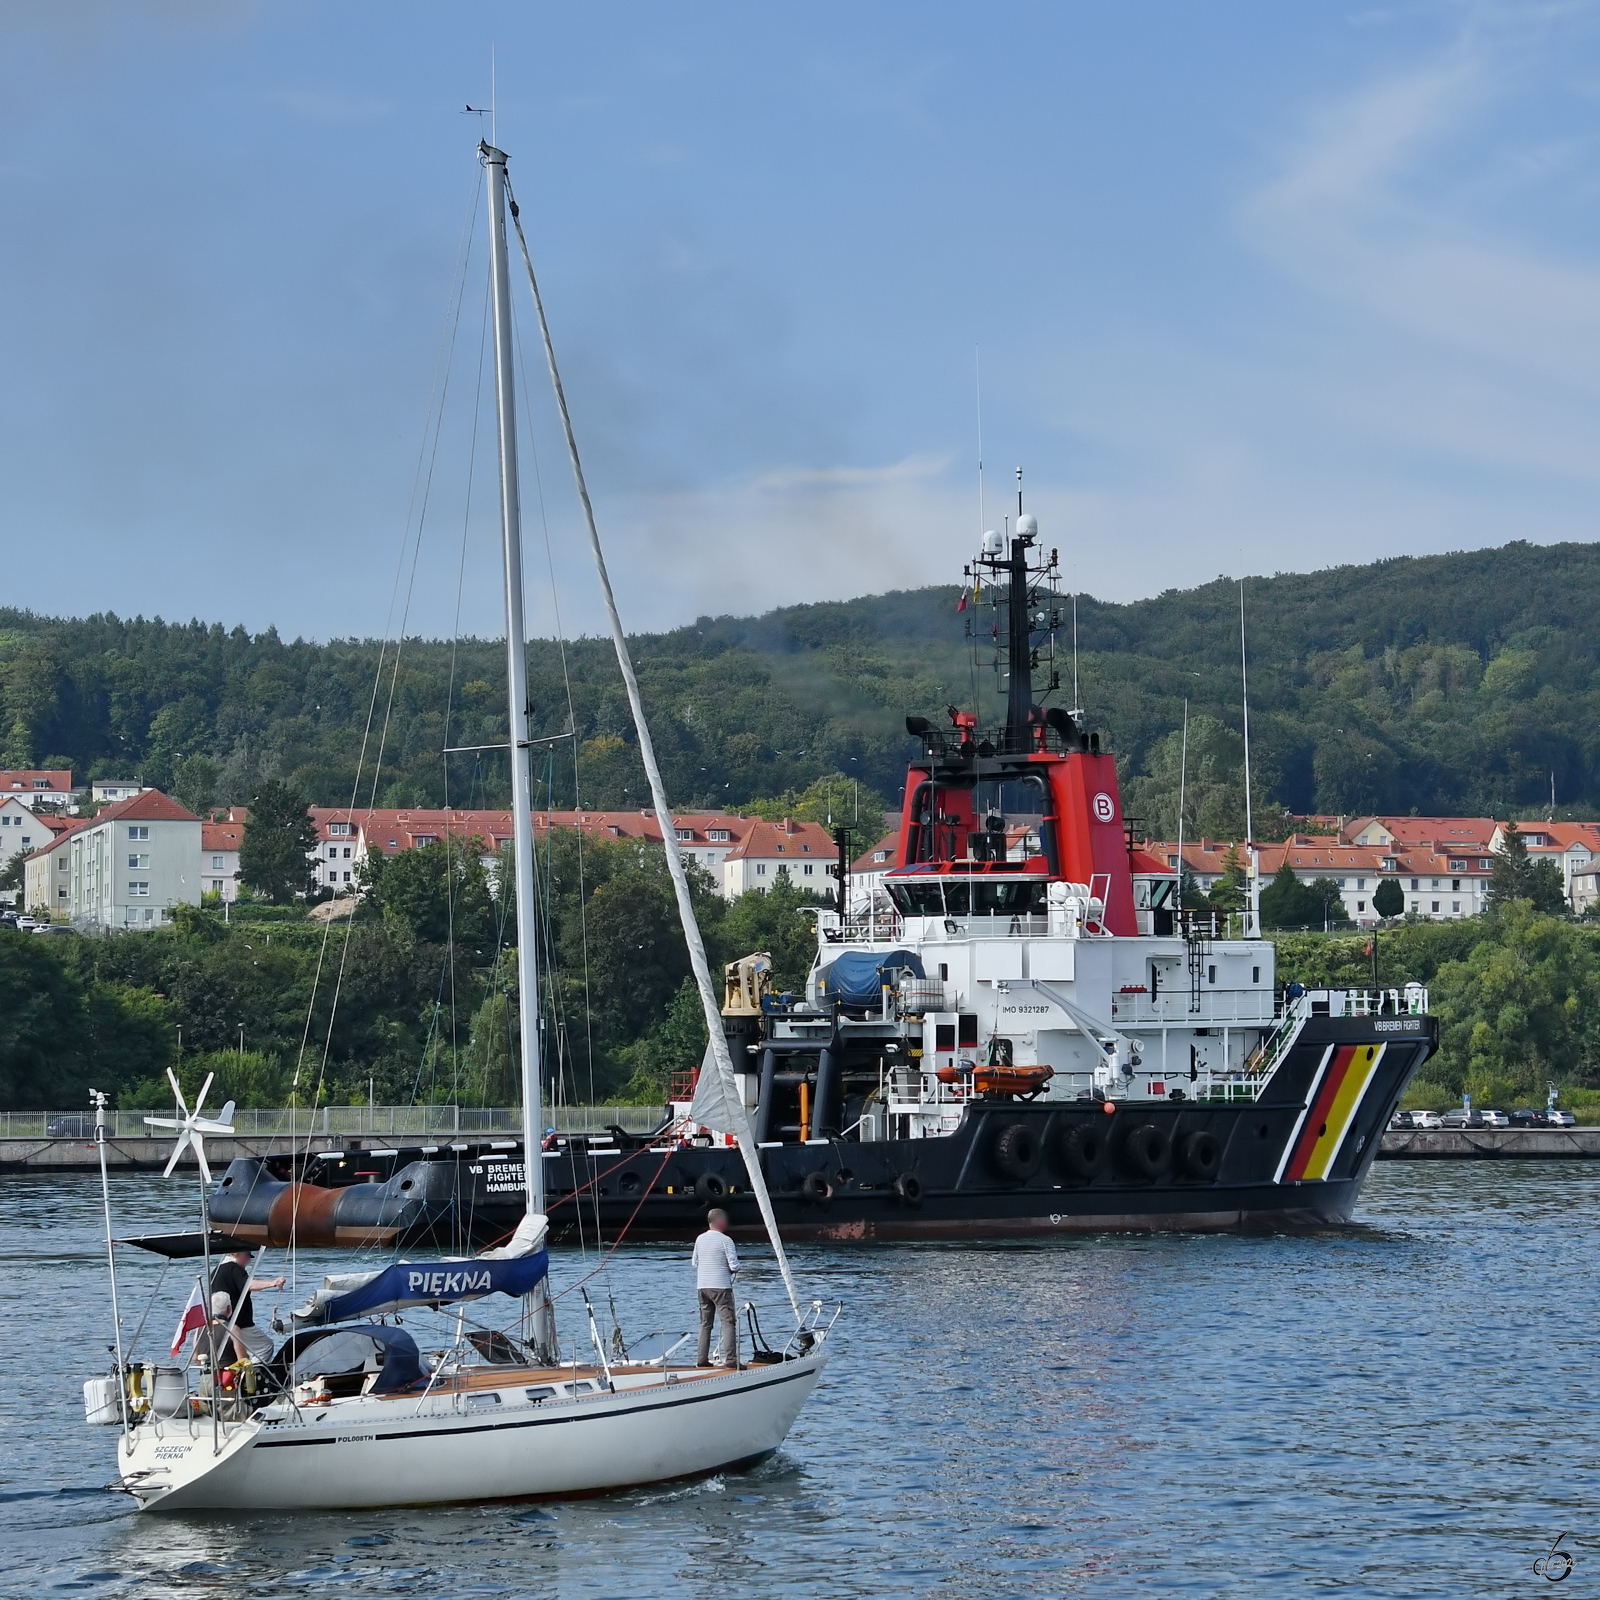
point(1438, 885)
point(867, 870)
point(219, 858)
point(1573, 846)
point(32, 785)
point(108, 791)
point(804, 849)
point(125, 867)
point(1446, 835)
point(22, 831)
point(344, 837)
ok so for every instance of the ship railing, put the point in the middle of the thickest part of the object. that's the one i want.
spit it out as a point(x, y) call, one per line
point(412, 1123)
point(1133, 1007)
point(1408, 1000)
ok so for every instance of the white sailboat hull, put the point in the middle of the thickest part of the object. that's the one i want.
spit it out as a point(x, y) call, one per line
point(386, 1451)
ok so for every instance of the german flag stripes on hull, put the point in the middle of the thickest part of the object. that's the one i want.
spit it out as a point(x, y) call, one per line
point(1336, 1091)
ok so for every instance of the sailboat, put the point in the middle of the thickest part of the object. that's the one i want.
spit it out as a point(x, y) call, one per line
point(346, 1414)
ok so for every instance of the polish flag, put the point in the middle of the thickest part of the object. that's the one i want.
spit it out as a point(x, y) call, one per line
point(961, 604)
point(194, 1316)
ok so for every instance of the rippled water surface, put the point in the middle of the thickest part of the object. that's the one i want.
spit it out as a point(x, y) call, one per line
point(1404, 1408)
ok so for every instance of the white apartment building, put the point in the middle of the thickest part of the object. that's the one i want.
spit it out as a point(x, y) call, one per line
point(126, 867)
point(21, 833)
point(219, 859)
point(31, 785)
point(108, 791)
point(804, 849)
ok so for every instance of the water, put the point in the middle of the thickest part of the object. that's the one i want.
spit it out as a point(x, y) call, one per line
point(1402, 1408)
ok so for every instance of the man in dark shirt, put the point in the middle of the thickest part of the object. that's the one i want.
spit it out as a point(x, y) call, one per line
point(232, 1278)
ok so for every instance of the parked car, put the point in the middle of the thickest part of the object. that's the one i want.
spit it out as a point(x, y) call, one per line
point(56, 928)
point(1462, 1119)
point(1495, 1119)
point(80, 1125)
point(26, 924)
point(1426, 1119)
point(1561, 1119)
point(1526, 1117)
point(1401, 1119)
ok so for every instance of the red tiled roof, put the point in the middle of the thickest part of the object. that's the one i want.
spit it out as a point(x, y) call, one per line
point(889, 842)
point(62, 834)
point(220, 835)
point(24, 779)
point(151, 806)
point(769, 840)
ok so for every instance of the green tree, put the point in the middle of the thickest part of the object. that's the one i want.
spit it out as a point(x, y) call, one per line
point(835, 796)
point(14, 877)
point(42, 1031)
point(1328, 897)
point(1516, 876)
point(1389, 899)
point(441, 892)
point(194, 783)
point(275, 853)
point(132, 1035)
point(1211, 782)
point(1228, 892)
point(676, 1044)
point(1285, 902)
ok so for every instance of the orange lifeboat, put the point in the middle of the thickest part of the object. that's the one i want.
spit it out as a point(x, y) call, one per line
point(1022, 1082)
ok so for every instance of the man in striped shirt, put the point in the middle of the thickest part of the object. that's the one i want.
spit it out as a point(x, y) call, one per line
point(716, 1264)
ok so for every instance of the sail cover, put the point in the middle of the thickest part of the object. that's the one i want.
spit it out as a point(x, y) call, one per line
point(711, 1107)
point(514, 1269)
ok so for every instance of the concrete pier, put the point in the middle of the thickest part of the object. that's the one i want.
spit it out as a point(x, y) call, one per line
point(1490, 1144)
point(147, 1155)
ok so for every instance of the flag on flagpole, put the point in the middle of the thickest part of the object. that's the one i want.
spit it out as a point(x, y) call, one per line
point(961, 604)
point(194, 1316)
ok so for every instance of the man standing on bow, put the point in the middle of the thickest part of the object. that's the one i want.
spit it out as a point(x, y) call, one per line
point(716, 1264)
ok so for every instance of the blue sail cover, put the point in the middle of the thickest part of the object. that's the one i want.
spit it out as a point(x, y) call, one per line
point(429, 1283)
point(857, 977)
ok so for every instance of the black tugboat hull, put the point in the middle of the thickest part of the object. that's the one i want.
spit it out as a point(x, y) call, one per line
point(1295, 1157)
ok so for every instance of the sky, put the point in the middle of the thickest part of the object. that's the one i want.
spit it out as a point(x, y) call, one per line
point(1241, 287)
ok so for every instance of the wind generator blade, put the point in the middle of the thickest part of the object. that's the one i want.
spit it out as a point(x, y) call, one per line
point(163, 1122)
point(200, 1156)
point(176, 1156)
point(206, 1125)
point(211, 1078)
point(172, 1078)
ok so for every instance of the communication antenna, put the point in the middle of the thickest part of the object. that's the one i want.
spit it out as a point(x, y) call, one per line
point(977, 380)
point(1077, 709)
point(1183, 780)
point(1253, 899)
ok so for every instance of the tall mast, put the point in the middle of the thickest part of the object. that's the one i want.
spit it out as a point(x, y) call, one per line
point(516, 685)
point(721, 1061)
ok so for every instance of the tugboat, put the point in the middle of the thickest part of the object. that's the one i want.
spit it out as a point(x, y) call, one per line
point(1020, 1031)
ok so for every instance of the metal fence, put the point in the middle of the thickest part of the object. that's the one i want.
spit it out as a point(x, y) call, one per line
point(432, 1123)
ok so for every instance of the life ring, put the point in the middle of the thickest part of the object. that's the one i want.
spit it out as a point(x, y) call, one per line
point(1083, 1151)
point(709, 1187)
point(1016, 1152)
point(815, 1189)
point(908, 1189)
point(1201, 1155)
point(1145, 1151)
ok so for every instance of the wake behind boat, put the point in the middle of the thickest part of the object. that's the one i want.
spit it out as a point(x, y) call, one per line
point(348, 1411)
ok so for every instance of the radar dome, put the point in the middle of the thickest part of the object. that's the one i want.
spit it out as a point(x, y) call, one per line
point(993, 544)
point(1027, 526)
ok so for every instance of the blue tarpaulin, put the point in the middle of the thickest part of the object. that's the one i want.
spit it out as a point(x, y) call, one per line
point(392, 1350)
point(425, 1283)
point(857, 977)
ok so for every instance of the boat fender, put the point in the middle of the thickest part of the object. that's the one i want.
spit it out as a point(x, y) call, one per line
point(1083, 1151)
point(1201, 1153)
point(1016, 1152)
point(1145, 1150)
point(709, 1187)
point(815, 1188)
point(908, 1189)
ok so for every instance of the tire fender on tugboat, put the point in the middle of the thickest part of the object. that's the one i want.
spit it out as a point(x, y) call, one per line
point(1200, 1155)
point(907, 1188)
point(709, 1187)
point(1145, 1151)
point(815, 1189)
point(1016, 1152)
point(1082, 1151)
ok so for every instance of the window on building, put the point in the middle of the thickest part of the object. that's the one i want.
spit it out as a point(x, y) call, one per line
point(1413, 905)
point(138, 889)
point(5, 822)
point(27, 841)
point(347, 877)
point(1361, 883)
point(1455, 886)
point(1484, 863)
point(41, 783)
point(347, 852)
point(718, 835)
point(779, 849)
point(761, 869)
point(132, 914)
point(1455, 905)
point(1458, 866)
point(808, 869)
point(216, 863)
point(61, 893)
point(1361, 905)
point(339, 829)
point(62, 864)
point(685, 835)
point(806, 849)
point(1434, 884)
point(137, 861)
point(333, 852)
point(1435, 905)
point(138, 832)
point(1416, 883)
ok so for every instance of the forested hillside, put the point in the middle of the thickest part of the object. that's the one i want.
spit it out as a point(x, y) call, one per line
point(1455, 683)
